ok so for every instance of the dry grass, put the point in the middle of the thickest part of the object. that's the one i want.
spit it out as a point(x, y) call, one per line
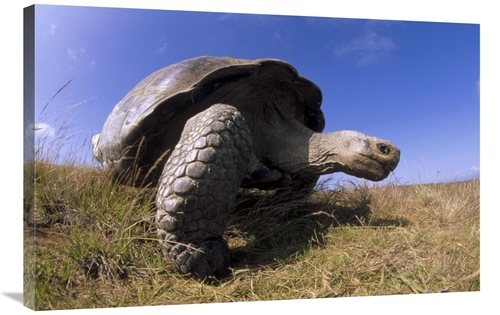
point(90, 243)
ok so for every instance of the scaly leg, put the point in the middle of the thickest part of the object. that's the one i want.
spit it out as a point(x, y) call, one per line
point(198, 188)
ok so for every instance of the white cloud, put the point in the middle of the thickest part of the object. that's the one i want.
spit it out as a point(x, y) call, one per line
point(43, 130)
point(78, 57)
point(76, 54)
point(161, 46)
point(38, 140)
point(366, 49)
point(53, 27)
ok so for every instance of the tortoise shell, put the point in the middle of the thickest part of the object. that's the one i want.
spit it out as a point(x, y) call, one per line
point(144, 127)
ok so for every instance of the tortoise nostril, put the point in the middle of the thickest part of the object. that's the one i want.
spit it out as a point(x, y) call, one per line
point(384, 148)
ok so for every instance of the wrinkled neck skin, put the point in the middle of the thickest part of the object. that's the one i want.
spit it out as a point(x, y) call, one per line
point(327, 153)
point(314, 153)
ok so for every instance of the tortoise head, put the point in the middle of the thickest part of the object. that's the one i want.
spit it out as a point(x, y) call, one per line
point(364, 156)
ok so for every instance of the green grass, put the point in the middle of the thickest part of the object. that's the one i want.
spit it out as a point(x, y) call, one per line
point(91, 243)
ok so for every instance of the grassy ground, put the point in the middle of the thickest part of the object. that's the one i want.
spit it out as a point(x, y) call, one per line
point(90, 243)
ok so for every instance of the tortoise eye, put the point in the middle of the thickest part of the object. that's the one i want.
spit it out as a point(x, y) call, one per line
point(384, 148)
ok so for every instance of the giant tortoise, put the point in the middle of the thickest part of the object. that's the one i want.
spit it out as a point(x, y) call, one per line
point(204, 127)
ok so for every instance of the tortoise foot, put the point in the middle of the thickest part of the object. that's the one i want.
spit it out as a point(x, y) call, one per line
point(201, 259)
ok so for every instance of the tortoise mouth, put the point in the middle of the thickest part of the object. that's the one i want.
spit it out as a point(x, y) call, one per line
point(381, 165)
point(376, 170)
point(384, 171)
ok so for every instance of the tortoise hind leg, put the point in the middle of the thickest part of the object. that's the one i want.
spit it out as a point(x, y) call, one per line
point(198, 187)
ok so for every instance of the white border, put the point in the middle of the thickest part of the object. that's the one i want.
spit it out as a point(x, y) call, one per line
point(477, 12)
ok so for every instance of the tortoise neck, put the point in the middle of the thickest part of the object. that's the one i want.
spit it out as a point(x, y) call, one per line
point(321, 155)
point(303, 151)
point(325, 154)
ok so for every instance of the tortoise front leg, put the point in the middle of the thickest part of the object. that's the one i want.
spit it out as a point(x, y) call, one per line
point(198, 187)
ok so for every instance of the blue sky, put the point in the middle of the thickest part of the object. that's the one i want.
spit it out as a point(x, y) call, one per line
point(413, 83)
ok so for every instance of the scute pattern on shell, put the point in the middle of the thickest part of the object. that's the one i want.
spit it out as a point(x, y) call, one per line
point(143, 99)
point(198, 187)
